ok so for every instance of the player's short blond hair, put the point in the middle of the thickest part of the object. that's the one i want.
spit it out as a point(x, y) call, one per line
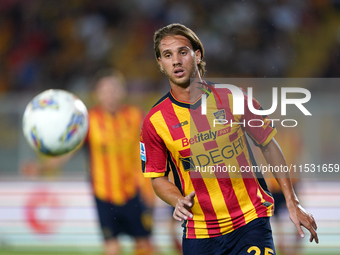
point(179, 29)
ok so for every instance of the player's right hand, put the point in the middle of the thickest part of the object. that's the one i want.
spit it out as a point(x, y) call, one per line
point(183, 207)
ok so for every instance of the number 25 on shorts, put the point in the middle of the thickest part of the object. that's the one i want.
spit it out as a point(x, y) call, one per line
point(267, 251)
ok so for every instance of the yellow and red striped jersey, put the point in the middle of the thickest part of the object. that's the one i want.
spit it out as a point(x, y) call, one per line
point(176, 136)
point(112, 142)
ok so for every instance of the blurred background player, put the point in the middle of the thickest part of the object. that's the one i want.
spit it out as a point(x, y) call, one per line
point(124, 198)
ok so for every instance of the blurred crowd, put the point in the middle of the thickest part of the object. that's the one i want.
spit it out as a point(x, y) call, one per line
point(62, 44)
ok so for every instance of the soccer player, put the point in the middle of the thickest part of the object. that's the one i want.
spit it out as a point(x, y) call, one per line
point(120, 190)
point(112, 143)
point(223, 212)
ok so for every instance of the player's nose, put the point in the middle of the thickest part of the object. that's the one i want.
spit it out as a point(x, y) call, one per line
point(176, 60)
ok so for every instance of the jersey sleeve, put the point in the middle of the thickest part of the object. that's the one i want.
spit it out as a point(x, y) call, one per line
point(153, 151)
point(260, 128)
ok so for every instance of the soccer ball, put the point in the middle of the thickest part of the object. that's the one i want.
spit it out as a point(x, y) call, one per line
point(55, 122)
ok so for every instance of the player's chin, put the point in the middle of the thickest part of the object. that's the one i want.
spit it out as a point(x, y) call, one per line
point(181, 81)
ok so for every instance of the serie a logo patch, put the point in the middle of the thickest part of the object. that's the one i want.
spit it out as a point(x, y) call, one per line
point(142, 151)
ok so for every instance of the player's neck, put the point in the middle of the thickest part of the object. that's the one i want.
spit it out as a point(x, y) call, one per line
point(180, 93)
point(187, 94)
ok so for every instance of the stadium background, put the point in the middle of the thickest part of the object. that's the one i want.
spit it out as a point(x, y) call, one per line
point(62, 44)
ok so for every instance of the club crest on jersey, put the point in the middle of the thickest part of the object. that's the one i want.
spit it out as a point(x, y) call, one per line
point(220, 116)
point(142, 151)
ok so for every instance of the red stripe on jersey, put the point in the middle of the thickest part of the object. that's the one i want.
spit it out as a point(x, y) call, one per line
point(190, 229)
point(185, 153)
point(210, 145)
point(270, 128)
point(251, 184)
point(171, 120)
point(233, 137)
point(230, 198)
point(202, 194)
point(201, 121)
point(220, 106)
point(154, 145)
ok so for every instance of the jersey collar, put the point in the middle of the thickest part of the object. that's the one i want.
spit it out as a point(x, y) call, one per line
point(188, 105)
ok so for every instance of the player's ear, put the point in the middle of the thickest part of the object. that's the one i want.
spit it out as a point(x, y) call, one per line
point(198, 56)
point(160, 65)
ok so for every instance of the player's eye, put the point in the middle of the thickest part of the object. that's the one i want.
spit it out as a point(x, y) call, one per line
point(183, 53)
point(168, 55)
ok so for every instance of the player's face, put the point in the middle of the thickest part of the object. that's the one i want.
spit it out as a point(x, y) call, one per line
point(178, 61)
point(110, 93)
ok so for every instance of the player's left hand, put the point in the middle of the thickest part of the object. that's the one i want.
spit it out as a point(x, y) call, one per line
point(300, 217)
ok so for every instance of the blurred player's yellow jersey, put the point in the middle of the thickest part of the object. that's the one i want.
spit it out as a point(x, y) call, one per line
point(207, 159)
point(114, 153)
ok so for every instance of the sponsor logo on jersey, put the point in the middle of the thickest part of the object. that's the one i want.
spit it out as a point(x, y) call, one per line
point(181, 124)
point(188, 164)
point(217, 155)
point(205, 136)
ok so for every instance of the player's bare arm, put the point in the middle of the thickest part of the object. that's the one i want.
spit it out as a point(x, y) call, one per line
point(298, 215)
point(170, 194)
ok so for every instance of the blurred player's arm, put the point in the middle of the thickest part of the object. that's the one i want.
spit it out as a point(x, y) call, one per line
point(298, 215)
point(169, 193)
